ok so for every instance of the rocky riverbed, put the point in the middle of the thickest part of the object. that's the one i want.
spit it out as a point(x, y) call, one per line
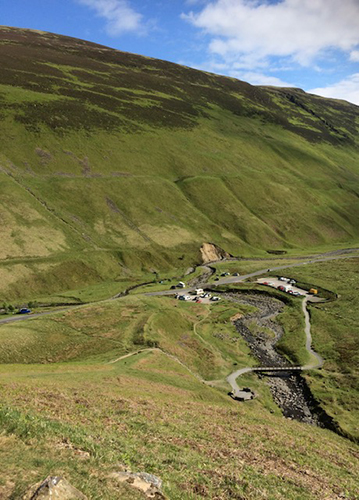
point(290, 391)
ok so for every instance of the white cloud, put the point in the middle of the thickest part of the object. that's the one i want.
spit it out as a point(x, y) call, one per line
point(354, 56)
point(259, 79)
point(298, 29)
point(347, 89)
point(120, 16)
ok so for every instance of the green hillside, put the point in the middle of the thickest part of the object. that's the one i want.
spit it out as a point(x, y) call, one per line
point(113, 165)
point(76, 402)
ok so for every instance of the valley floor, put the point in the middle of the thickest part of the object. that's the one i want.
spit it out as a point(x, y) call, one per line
point(119, 384)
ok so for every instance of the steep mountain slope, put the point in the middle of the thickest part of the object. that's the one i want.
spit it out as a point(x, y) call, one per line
point(110, 160)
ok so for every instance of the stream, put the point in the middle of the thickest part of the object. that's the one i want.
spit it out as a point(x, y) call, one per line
point(290, 391)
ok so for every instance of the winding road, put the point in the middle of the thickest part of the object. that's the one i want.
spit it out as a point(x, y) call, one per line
point(338, 254)
point(317, 360)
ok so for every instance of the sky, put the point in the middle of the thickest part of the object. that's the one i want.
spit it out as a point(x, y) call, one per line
point(310, 44)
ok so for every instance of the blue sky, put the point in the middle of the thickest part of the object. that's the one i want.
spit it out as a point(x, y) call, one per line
point(311, 44)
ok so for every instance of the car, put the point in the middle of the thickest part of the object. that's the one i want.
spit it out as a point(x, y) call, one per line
point(297, 294)
point(264, 283)
point(24, 310)
point(216, 279)
point(173, 287)
point(215, 299)
point(281, 288)
point(235, 274)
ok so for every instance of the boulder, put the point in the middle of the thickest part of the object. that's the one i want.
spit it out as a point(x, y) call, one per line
point(54, 488)
point(149, 484)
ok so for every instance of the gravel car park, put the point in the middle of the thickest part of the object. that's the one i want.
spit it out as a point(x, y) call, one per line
point(284, 285)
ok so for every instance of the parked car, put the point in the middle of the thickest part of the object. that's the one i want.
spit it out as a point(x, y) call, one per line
point(215, 299)
point(24, 310)
point(235, 274)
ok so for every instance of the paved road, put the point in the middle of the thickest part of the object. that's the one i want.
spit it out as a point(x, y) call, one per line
point(23, 317)
point(339, 254)
point(317, 359)
point(237, 279)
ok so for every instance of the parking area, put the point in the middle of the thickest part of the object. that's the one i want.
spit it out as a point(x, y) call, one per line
point(287, 285)
point(202, 298)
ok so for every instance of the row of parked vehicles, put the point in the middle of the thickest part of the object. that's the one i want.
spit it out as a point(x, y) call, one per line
point(285, 288)
point(197, 297)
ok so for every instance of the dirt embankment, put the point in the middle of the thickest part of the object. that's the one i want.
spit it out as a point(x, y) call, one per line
point(211, 253)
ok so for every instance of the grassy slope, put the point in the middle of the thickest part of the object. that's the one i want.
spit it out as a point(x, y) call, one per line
point(149, 412)
point(104, 150)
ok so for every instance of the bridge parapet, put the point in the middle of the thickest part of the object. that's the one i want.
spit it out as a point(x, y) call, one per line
point(277, 369)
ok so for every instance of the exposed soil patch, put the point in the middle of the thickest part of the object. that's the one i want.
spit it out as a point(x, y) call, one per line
point(211, 253)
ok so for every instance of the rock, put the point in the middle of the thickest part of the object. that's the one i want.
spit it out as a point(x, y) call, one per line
point(54, 488)
point(149, 484)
